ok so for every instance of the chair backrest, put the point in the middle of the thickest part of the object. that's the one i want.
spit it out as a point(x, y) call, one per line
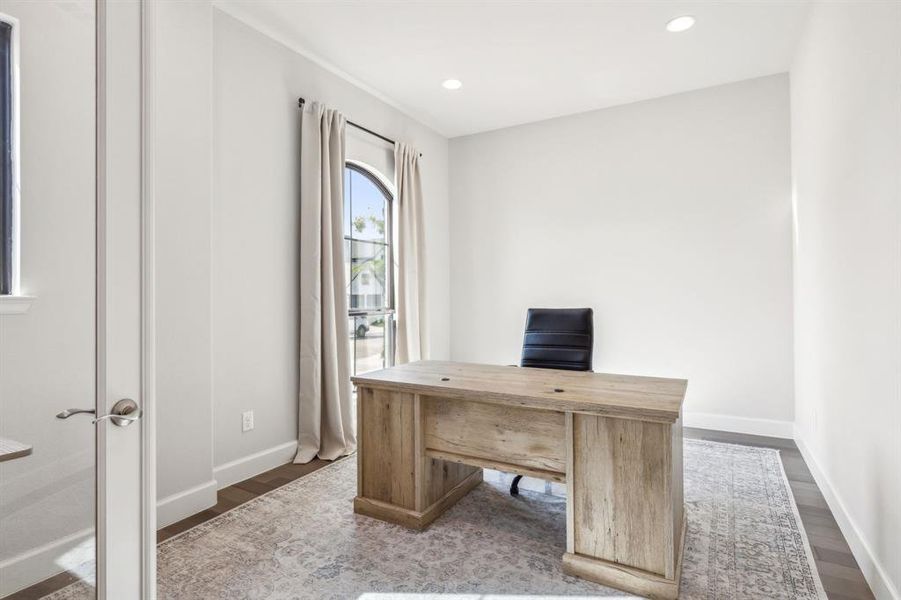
point(558, 338)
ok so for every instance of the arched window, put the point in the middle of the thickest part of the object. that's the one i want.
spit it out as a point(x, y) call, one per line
point(368, 264)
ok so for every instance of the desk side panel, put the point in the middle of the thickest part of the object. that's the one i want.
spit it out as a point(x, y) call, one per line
point(622, 496)
point(442, 477)
point(387, 447)
point(678, 502)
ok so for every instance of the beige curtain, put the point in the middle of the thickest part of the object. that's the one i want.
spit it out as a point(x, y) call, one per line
point(411, 322)
point(326, 421)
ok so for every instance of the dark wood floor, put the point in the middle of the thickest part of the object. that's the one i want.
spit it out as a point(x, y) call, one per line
point(842, 578)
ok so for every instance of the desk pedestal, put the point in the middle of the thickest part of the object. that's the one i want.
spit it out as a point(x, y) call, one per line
point(396, 480)
point(623, 476)
point(624, 507)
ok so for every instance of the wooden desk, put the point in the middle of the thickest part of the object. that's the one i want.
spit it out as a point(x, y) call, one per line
point(427, 428)
point(10, 449)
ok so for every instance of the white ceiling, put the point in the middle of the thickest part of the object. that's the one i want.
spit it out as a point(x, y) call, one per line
point(527, 61)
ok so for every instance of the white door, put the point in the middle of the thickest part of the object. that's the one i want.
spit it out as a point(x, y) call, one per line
point(77, 509)
point(126, 508)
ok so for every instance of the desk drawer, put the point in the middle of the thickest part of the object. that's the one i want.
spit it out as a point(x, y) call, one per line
point(496, 435)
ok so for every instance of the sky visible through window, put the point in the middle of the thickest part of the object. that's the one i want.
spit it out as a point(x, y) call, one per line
point(364, 215)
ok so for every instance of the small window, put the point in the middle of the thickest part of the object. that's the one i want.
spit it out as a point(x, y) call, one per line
point(368, 265)
point(8, 161)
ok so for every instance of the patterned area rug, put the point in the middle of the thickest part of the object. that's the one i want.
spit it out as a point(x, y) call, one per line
point(744, 540)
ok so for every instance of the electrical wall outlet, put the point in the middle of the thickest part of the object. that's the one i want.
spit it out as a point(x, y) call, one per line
point(247, 420)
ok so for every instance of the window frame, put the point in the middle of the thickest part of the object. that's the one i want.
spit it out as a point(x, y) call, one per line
point(390, 308)
point(10, 187)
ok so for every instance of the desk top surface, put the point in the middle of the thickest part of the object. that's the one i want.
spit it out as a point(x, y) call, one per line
point(626, 396)
point(10, 449)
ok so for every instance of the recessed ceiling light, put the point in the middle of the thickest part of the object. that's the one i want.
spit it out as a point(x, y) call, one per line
point(683, 23)
point(452, 84)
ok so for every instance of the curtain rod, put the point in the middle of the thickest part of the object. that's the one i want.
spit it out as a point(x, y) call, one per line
point(301, 102)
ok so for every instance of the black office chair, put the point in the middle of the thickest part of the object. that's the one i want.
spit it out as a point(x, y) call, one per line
point(557, 338)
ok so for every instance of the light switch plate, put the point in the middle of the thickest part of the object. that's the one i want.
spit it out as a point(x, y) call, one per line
point(247, 420)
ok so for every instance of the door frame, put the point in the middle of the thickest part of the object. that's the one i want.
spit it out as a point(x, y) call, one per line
point(133, 141)
point(148, 312)
point(148, 320)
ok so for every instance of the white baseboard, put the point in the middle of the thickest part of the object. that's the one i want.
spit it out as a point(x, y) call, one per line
point(874, 572)
point(48, 560)
point(198, 498)
point(748, 425)
point(254, 464)
point(185, 503)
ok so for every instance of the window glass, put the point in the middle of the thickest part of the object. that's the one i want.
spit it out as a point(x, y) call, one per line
point(367, 211)
point(6, 159)
point(367, 262)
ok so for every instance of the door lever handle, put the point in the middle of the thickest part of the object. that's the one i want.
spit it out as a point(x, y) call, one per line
point(124, 413)
point(120, 420)
point(75, 411)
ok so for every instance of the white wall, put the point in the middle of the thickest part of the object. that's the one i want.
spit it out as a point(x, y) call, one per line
point(227, 223)
point(183, 187)
point(47, 354)
point(671, 218)
point(256, 84)
point(255, 224)
point(846, 156)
